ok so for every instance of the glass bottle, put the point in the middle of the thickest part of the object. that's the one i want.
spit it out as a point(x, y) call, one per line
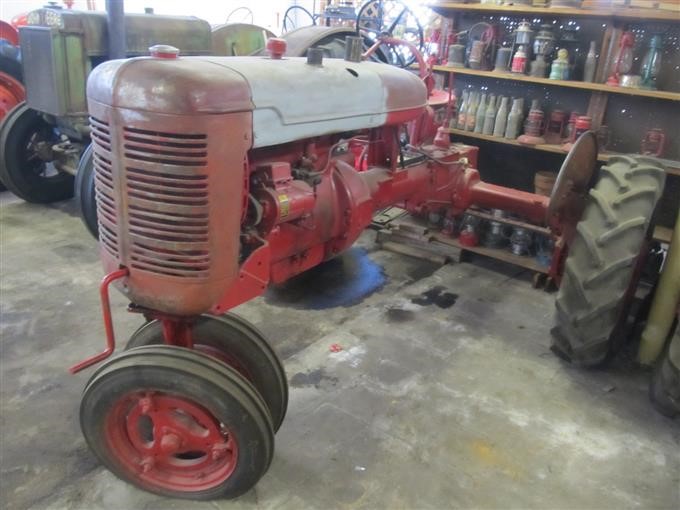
point(460, 121)
point(471, 113)
point(489, 116)
point(651, 63)
point(481, 110)
point(501, 118)
point(514, 120)
point(591, 64)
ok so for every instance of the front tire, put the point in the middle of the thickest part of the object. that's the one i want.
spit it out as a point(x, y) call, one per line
point(85, 192)
point(234, 341)
point(599, 269)
point(177, 423)
point(22, 170)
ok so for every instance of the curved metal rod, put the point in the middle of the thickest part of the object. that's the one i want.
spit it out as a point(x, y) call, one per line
point(108, 322)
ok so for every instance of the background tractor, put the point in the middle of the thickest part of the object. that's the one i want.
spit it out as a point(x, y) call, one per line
point(42, 138)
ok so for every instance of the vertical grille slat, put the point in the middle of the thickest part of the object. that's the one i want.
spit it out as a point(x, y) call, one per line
point(103, 182)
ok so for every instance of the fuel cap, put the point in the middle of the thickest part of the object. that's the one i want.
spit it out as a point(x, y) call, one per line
point(276, 47)
point(164, 51)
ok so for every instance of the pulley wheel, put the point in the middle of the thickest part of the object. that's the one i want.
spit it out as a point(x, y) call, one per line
point(576, 177)
point(234, 341)
point(177, 423)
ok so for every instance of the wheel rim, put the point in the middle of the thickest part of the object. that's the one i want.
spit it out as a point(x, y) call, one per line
point(11, 94)
point(169, 441)
point(30, 153)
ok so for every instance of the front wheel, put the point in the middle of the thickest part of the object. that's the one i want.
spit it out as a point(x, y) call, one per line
point(600, 268)
point(177, 423)
point(234, 341)
point(25, 142)
point(85, 192)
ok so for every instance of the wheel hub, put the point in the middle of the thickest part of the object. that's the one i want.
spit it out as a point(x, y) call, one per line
point(573, 183)
point(171, 441)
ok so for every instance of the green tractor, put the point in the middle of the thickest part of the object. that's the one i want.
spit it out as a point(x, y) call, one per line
point(44, 154)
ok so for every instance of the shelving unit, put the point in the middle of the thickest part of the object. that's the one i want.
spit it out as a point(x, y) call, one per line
point(598, 87)
point(612, 13)
point(599, 93)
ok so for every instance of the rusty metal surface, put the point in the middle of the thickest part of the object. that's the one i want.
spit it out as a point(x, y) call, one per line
point(162, 209)
point(573, 181)
point(182, 86)
point(58, 58)
point(291, 100)
point(190, 34)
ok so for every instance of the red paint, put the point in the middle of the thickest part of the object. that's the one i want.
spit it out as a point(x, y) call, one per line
point(12, 93)
point(164, 51)
point(467, 238)
point(276, 47)
point(170, 442)
point(108, 322)
point(335, 348)
point(9, 33)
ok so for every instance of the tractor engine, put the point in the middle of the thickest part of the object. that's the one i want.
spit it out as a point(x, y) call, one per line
point(216, 176)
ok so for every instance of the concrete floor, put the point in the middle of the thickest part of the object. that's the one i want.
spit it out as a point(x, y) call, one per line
point(445, 394)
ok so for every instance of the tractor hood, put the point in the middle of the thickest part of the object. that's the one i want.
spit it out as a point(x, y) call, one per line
point(289, 98)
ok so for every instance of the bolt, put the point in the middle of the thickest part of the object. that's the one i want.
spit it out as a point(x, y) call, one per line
point(145, 405)
point(170, 443)
point(218, 451)
point(147, 464)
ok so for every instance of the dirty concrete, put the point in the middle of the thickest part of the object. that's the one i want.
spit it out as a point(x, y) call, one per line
point(444, 393)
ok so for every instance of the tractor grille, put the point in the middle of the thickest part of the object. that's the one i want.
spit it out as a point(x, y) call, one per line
point(166, 197)
point(166, 182)
point(104, 186)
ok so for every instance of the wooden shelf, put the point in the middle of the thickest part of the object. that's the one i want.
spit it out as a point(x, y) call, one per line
point(663, 234)
point(599, 87)
point(672, 167)
point(617, 13)
point(503, 254)
point(557, 149)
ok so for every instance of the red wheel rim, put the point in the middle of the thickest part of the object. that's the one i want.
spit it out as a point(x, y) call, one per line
point(170, 442)
point(11, 94)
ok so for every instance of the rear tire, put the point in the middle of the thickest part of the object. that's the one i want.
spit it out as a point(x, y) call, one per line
point(85, 192)
point(602, 257)
point(21, 169)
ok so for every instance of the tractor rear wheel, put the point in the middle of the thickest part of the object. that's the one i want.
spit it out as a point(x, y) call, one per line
point(85, 191)
point(25, 138)
point(599, 269)
point(236, 342)
point(177, 423)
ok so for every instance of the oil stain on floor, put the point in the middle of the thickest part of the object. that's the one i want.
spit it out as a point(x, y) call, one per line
point(343, 281)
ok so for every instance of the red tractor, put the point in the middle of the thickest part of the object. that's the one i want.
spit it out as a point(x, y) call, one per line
point(11, 88)
point(218, 176)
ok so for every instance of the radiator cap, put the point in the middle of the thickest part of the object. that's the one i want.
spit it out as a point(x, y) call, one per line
point(164, 51)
